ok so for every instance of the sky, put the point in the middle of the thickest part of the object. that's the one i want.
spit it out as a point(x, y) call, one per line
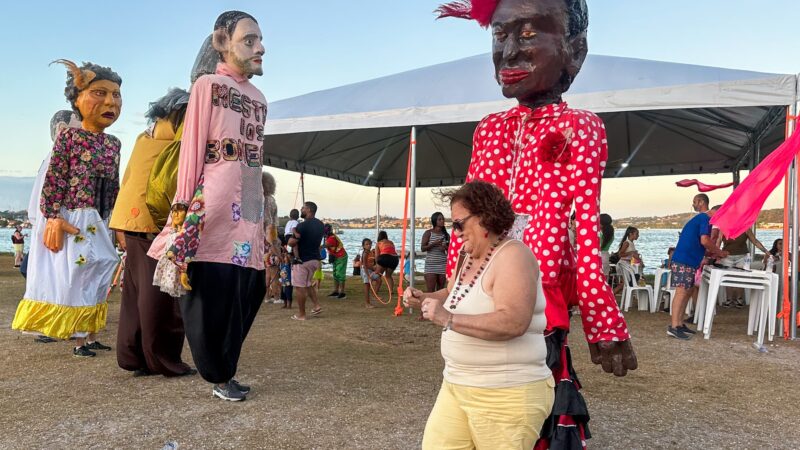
point(318, 44)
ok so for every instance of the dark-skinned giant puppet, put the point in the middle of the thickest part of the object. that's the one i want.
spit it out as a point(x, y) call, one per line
point(549, 159)
point(72, 258)
point(151, 334)
point(215, 236)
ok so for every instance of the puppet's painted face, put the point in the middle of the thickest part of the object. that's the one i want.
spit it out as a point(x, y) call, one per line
point(531, 49)
point(99, 104)
point(245, 48)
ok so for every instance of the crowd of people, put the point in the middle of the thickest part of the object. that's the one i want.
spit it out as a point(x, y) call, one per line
point(197, 220)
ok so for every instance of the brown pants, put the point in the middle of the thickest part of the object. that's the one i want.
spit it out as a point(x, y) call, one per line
point(150, 332)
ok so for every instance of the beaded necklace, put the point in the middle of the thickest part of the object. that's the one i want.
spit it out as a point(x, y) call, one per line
point(460, 290)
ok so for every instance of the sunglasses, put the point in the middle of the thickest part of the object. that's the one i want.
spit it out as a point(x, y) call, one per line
point(458, 225)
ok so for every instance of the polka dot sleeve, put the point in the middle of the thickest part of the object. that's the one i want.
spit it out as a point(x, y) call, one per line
point(602, 320)
point(474, 162)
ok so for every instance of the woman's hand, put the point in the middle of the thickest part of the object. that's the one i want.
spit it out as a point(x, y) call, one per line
point(412, 298)
point(433, 310)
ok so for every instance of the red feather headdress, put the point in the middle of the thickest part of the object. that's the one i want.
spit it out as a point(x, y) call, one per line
point(478, 10)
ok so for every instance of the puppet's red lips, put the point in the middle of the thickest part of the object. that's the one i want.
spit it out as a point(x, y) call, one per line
point(109, 115)
point(512, 76)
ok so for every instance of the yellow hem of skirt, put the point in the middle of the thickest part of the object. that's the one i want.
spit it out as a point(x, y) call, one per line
point(59, 321)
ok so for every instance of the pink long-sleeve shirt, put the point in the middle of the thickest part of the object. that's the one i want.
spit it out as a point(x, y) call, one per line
point(219, 174)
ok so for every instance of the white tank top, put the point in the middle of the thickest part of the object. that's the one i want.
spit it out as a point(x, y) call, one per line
point(476, 362)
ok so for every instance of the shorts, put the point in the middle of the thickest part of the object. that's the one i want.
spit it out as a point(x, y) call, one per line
point(388, 261)
point(683, 275)
point(318, 275)
point(733, 261)
point(340, 269)
point(302, 274)
point(18, 247)
point(367, 274)
point(497, 418)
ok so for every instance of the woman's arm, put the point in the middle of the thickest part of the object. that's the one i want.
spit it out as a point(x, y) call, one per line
point(623, 249)
point(512, 285)
point(756, 242)
point(426, 239)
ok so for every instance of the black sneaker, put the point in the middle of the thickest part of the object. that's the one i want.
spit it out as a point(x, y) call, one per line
point(83, 352)
point(229, 392)
point(739, 303)
point(677, 333)
point(243, 388)
point(686, 329)
point(342, 295)
point(96, 345)
point(333, 294)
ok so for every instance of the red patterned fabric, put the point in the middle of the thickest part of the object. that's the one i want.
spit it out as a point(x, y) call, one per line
point(547, 160)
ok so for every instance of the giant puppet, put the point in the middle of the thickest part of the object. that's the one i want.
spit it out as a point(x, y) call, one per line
point(72, 258)
point(215, 235)
point(549, 159)
point(150, 336)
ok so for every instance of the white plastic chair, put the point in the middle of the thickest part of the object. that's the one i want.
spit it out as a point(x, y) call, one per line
point(631, 286)
point(760, 283)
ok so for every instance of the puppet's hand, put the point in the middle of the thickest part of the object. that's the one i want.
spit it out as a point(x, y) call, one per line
point(616, 357)
point(54, 233)
point(185, 281)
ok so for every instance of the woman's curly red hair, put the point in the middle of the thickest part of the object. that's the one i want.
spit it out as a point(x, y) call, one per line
point(486, 201)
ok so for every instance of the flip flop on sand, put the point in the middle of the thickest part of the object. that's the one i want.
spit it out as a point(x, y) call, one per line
point(294, 317)
point(316, 311)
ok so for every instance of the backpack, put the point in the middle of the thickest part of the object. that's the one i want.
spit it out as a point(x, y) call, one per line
point(163, 181)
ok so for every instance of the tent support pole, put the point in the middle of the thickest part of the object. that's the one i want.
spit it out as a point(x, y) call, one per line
point(378, 214)
point(413, 205)
point(794, 219)
point(302, 186)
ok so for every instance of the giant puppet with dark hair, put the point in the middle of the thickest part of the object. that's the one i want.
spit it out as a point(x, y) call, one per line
point(72, 258)
point(213, 243)
point(548, 157)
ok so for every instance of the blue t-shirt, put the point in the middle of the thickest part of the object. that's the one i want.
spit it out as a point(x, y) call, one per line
point(689, 250)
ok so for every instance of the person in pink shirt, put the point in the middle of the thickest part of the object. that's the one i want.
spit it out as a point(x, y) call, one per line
point(212, 249)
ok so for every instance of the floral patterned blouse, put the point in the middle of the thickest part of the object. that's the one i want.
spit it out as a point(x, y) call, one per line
point(83, 173)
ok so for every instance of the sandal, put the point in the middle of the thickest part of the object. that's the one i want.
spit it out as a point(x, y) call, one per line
point(294, 317)
point(316, 311)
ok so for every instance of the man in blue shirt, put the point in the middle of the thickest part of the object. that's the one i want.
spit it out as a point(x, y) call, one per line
point(694, 241)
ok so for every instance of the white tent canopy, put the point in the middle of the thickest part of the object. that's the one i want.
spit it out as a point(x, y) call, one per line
point(662, 118)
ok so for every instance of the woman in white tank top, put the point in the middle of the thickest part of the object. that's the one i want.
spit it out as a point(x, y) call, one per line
point(497, 389)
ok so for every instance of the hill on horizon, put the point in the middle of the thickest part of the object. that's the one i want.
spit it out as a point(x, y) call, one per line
point(766, 218)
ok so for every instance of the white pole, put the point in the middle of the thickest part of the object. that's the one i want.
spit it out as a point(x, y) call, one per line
point(378, 214)
point(412, 206)
point(794, 220)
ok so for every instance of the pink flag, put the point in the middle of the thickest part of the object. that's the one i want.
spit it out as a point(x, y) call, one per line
point(740, 210)
point(702, 187)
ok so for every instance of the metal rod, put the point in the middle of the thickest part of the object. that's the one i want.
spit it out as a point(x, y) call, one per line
point(413, 205)
point(794, 220)
point(378, 214)
point(302, 187)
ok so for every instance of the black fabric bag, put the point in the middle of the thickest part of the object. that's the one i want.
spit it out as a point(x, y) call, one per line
point(613, 258)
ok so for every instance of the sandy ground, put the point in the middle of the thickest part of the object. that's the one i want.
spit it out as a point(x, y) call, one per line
point(357, 378)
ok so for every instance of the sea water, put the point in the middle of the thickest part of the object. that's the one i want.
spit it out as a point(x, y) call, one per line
point(652, 243)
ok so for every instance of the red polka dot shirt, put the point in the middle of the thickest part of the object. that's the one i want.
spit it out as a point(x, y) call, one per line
point(549, 161)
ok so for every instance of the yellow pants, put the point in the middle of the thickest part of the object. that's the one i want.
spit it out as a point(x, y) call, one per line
point(488, 418)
